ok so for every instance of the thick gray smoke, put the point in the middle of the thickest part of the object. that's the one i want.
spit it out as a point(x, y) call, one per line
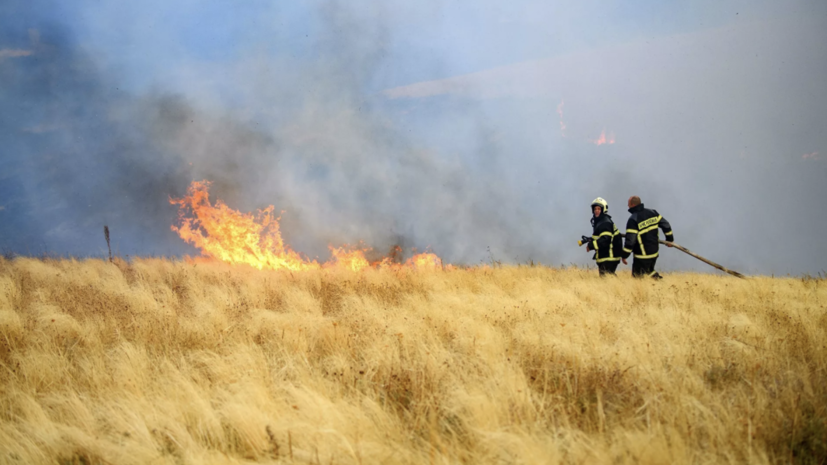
point(717, 130)
point(721, 130)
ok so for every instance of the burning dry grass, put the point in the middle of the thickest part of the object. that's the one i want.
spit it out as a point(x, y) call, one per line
point(167, 362)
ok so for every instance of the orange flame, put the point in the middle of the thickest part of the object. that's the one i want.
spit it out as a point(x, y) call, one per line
point(233, 237)
point(603, 140)
point(562, 124)
point(351, 259)
point(425, 261)
point(255, 239)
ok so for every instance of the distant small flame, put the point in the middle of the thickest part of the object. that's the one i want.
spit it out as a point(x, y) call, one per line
point(562, 124)
point(603, 139)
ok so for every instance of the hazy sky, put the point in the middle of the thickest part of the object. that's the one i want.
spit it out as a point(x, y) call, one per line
point(480, 129)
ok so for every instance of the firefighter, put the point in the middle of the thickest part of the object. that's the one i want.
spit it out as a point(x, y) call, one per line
point(642, 238)
point(605, 240)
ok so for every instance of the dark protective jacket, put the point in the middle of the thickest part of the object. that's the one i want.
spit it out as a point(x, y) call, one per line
point(606, 240)
point(642, 232)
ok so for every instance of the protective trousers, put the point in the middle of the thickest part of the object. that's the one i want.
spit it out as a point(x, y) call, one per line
point(643, 267)
point(607, 267)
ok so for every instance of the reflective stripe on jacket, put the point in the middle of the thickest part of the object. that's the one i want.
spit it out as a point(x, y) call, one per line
point(642, 232)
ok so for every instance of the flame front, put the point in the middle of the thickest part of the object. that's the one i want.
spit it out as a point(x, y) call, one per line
point(255, 239)
point(425, 261)
point(353, 260)
point(231, 236)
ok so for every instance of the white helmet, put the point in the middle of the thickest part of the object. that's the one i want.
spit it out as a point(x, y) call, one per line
point(600, 202)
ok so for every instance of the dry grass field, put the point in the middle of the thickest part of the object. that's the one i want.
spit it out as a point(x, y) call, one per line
point(159, 361)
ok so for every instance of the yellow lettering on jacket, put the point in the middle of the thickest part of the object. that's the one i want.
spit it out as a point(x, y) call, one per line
point(649, 222)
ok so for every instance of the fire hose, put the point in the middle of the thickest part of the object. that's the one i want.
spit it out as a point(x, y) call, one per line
point(708, 262)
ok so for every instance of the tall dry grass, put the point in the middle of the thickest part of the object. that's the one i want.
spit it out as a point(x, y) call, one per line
point(167, 362)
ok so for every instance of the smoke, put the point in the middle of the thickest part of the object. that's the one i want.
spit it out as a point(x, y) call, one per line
point(710, 128)
point(715, 129)
point(303, 135)
point(80, 153)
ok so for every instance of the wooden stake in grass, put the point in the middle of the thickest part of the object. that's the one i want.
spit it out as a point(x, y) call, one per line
point(106, 235)
point(273, 442)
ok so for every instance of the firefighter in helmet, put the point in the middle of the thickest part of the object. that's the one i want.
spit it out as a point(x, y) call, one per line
point(605, 240)
point(642, 238)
